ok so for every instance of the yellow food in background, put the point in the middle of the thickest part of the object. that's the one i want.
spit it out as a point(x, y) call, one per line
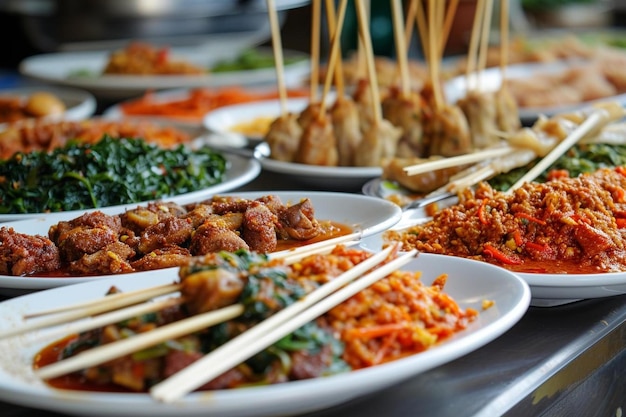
point(255, 128)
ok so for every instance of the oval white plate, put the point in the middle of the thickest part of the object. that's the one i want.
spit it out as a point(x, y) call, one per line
point(58, 68)
point(491, 79)
point(79, 104)
point(546, 289)
point(242, 170)
point(221, 122)
point(365, 214)
point(469, 283)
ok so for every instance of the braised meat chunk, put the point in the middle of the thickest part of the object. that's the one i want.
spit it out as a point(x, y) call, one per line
point(22, 255)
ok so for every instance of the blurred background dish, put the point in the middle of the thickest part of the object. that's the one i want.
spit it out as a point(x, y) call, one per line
point(188, 107)
point(84, 69)
point(54, 103)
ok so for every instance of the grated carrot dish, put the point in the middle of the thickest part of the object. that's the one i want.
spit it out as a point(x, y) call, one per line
point(198, 102)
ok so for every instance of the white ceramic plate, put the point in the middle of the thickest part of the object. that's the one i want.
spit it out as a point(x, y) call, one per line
point(222, 121)
point(547, 289)
point(469, 283)
point(365, 214)
point(60, 67)
point(79, 104)
point(242, 171)
point(491, 80)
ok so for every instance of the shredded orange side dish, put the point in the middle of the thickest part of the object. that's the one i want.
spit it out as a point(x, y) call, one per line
point(198, 102)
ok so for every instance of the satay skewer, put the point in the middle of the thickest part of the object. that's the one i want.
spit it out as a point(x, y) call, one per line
point(401, 48)
point(334, 56)
point(365, 37)
point(277, 48)
point(333, 23)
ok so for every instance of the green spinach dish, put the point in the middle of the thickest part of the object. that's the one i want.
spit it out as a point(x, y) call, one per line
point(107, 173)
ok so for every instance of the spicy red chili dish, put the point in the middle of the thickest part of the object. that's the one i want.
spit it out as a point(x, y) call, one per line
point(567, 225)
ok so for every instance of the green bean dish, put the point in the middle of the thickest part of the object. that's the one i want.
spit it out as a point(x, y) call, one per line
point(107, 173)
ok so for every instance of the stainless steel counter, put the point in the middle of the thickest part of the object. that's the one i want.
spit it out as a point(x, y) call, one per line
point(556, 361)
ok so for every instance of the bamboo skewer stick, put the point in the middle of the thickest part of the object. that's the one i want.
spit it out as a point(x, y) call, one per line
point(315, 48)
point(504, 39)
point(409, 22)
point(422, 27)
point(334, 55)
point(364, 34)
point(278, 55)
point(333, 23)
point(214, 364)
point(472, 55)
point(484, 41)
point(123, 347)
point(447, 24)
point(401, 48)
point(453, 161)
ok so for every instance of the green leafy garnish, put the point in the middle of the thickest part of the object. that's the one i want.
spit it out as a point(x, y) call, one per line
point(107, 173)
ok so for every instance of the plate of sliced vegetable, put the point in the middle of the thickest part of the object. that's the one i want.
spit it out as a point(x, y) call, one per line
point(488, 301)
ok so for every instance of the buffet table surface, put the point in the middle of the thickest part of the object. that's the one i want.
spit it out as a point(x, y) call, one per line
point(556, 361)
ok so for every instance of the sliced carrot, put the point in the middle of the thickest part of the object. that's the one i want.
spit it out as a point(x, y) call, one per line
point(481, 212)
point(500, 256)
point(530, 218)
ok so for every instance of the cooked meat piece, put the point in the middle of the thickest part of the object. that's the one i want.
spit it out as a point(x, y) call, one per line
point(82, 240)
point(22, 255)
point(298, 221)
point(167, 257)
point(318, 145)
point(448, 132)
point(507, 116)
point(211, 289)
point(175, 360)
point(309, 114)
point(169, 231)
point(380, 141)
point(348, 135)
point(208, 239)
point(481, 113)
point(259, 228)
point(306, 364)
point(230, 221)
point(95, 219)
point(221, 204)
point(405, 113)
point(283, 137)
point(142, 217)
point(199, 214)
point(112, 259)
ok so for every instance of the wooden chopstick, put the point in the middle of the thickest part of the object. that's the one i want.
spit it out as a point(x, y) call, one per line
point(227, 357)
point(97, 306)
point(123, 347)
point(453, 161)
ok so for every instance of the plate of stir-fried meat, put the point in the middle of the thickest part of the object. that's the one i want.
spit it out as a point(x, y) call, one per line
point(565, 237)
point(440, 309)
point(69, 248)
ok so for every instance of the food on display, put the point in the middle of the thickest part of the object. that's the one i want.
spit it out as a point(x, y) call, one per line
point(36, 105)
point(195, 104)
point(374, 326)
point(110, 172)
point(42, 135)
point(162, 234)
point(140, 58)
point(565, 225)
